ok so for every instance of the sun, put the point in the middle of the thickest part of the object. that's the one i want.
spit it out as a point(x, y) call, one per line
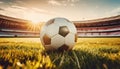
point(34, 17)
point(35, 21)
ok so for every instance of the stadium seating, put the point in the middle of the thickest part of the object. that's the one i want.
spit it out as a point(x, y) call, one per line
point(99, 27)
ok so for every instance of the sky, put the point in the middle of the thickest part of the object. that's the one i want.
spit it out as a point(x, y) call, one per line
point(74, 10)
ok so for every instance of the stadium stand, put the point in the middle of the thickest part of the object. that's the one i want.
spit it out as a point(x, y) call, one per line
point(99, 27)
point(103, 27)
point(10, 26)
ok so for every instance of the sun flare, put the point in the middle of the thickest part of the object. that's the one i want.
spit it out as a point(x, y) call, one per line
point(34, 17)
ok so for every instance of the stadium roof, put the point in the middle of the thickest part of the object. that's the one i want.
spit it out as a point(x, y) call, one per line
point(99, 20)
point(86, 21)
point(13, 19)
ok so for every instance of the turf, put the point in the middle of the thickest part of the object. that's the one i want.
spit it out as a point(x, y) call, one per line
point(88, 53)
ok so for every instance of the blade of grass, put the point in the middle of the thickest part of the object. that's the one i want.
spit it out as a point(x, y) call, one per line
point(76, 58)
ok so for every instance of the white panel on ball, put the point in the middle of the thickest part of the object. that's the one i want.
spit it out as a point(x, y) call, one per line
point(60, 21)
point(42, 33)
point(70, 40)
point(43, 30)
point(52, 30)
point(72, 28)
point(57, 41)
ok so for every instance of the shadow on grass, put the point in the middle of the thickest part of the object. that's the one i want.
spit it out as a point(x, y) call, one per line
point(79, 59)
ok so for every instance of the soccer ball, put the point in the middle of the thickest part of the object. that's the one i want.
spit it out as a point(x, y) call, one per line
point(58, 34)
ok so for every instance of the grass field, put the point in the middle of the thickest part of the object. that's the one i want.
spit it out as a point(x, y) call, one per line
point(88, 53)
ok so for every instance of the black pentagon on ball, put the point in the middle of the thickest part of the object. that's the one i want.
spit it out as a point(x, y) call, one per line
point(63, 30)
point(46, 39)
point(63, 47)
point(50, 22)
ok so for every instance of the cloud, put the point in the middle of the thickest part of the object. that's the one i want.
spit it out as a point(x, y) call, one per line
point(116, 11)
point(38, 10)
point(72, 0)
point(1, 2)
point(18, 7)
point(63, 2)
point(27, 12)
point(1, 9)
point(54, 2)
point(113, 12)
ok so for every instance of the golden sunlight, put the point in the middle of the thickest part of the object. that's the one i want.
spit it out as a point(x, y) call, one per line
point(33, 16)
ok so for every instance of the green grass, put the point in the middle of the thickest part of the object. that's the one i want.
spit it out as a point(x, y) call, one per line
point(88, 53)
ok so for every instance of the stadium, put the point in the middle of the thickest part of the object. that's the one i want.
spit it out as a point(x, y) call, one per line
point(104, 27)
point(21, 47)
point(59, 34)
